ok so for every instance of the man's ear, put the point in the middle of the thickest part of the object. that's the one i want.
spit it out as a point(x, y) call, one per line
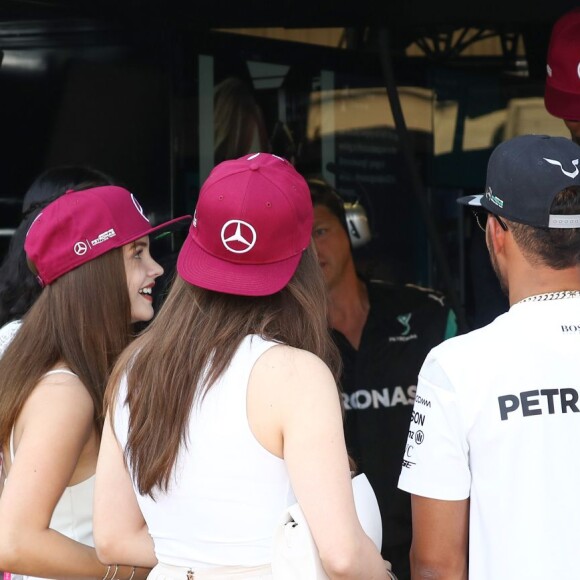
point(496, 235)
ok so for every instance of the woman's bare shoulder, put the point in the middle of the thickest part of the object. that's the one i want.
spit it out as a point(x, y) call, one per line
point(62, 394)
point(293, 372)
point(295, 361)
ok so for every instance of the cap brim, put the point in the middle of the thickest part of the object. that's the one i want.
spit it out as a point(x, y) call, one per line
point(201, 269)
point(562, 104)
point(171, 225)
point(471, 200)
point(174, 225)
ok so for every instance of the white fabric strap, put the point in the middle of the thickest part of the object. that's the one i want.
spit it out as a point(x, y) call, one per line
point(564, 221)
point(57, 371)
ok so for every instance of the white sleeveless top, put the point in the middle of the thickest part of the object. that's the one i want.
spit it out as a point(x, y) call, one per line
point(7, 334)
point(227, 493)
point(73, 514)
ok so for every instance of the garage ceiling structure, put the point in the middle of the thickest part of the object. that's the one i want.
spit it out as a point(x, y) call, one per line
point(405, 20)
point(403, 15)
point(299, 13)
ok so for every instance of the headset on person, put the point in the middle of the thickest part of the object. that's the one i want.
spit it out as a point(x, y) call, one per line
point(357, 221)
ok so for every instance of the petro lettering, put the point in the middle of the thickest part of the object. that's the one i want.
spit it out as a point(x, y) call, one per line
point(569, 398)
point(539, 402)
point(507, 404)
point(528, 403)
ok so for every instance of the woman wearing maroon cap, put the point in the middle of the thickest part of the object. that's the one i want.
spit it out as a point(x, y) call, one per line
point(562, 90)
point(18, 287)
point(90, 251)
point(225, 412)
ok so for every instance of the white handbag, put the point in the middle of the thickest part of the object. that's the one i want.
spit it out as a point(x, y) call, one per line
point(295, 555)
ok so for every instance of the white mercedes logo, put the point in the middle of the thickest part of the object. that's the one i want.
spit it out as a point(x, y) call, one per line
point(80, 248)
point(138, 207)
point(238, 237)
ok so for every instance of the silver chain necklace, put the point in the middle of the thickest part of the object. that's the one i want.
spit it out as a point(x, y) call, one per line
point(563, 294)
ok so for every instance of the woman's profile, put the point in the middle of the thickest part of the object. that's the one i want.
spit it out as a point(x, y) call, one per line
point(89, 251)
point(18, 286)
point(225, 411)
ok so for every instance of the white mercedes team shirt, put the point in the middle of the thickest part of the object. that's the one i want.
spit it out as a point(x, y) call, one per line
point(497, 420)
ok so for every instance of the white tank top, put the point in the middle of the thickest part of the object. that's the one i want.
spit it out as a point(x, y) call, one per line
point(73, 514)
point(7, 334)
point(227, 493)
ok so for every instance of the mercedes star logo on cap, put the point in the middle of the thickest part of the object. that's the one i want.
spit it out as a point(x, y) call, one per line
point(238, 236)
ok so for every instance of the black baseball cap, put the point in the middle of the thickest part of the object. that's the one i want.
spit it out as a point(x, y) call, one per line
point(524, 175)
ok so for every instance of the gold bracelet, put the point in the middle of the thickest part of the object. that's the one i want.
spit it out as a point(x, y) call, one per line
point(107, 572)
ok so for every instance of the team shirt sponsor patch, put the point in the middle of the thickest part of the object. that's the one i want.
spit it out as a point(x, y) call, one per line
point(373, 398)
point(538, 402)
point(405, 336)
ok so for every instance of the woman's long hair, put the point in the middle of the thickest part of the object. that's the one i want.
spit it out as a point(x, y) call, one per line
point(81, 320)
point(189, 345)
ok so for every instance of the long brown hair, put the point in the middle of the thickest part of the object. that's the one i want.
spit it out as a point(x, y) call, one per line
point(82, 320)
point(196, 330)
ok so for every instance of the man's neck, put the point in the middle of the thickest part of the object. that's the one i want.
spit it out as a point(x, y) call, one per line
point(542, 281)
point(349, 307)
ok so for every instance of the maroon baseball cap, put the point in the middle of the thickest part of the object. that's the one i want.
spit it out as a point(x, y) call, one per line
point(562, 92)
point(82, 225)
point(252, 223)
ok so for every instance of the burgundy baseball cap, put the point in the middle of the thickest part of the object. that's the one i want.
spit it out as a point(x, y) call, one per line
point(252, 222)
point(82, 225)
point(562, 92)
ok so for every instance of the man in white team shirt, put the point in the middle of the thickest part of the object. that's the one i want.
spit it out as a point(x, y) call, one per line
point(493, 450)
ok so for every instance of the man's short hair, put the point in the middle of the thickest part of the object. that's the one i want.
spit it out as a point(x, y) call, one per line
point(322, 193)
point(557, 248)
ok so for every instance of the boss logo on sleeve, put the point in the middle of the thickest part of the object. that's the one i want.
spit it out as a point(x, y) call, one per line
point(570, 328)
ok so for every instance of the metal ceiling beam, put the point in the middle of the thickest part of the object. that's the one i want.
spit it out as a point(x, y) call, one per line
point(298, 13)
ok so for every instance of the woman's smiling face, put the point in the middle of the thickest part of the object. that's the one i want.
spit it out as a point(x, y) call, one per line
point(141, 270)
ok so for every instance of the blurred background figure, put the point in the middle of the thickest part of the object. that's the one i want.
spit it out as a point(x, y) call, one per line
point(562, 93)
point(383, 331)
point(239, 126)
point(282, 142)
